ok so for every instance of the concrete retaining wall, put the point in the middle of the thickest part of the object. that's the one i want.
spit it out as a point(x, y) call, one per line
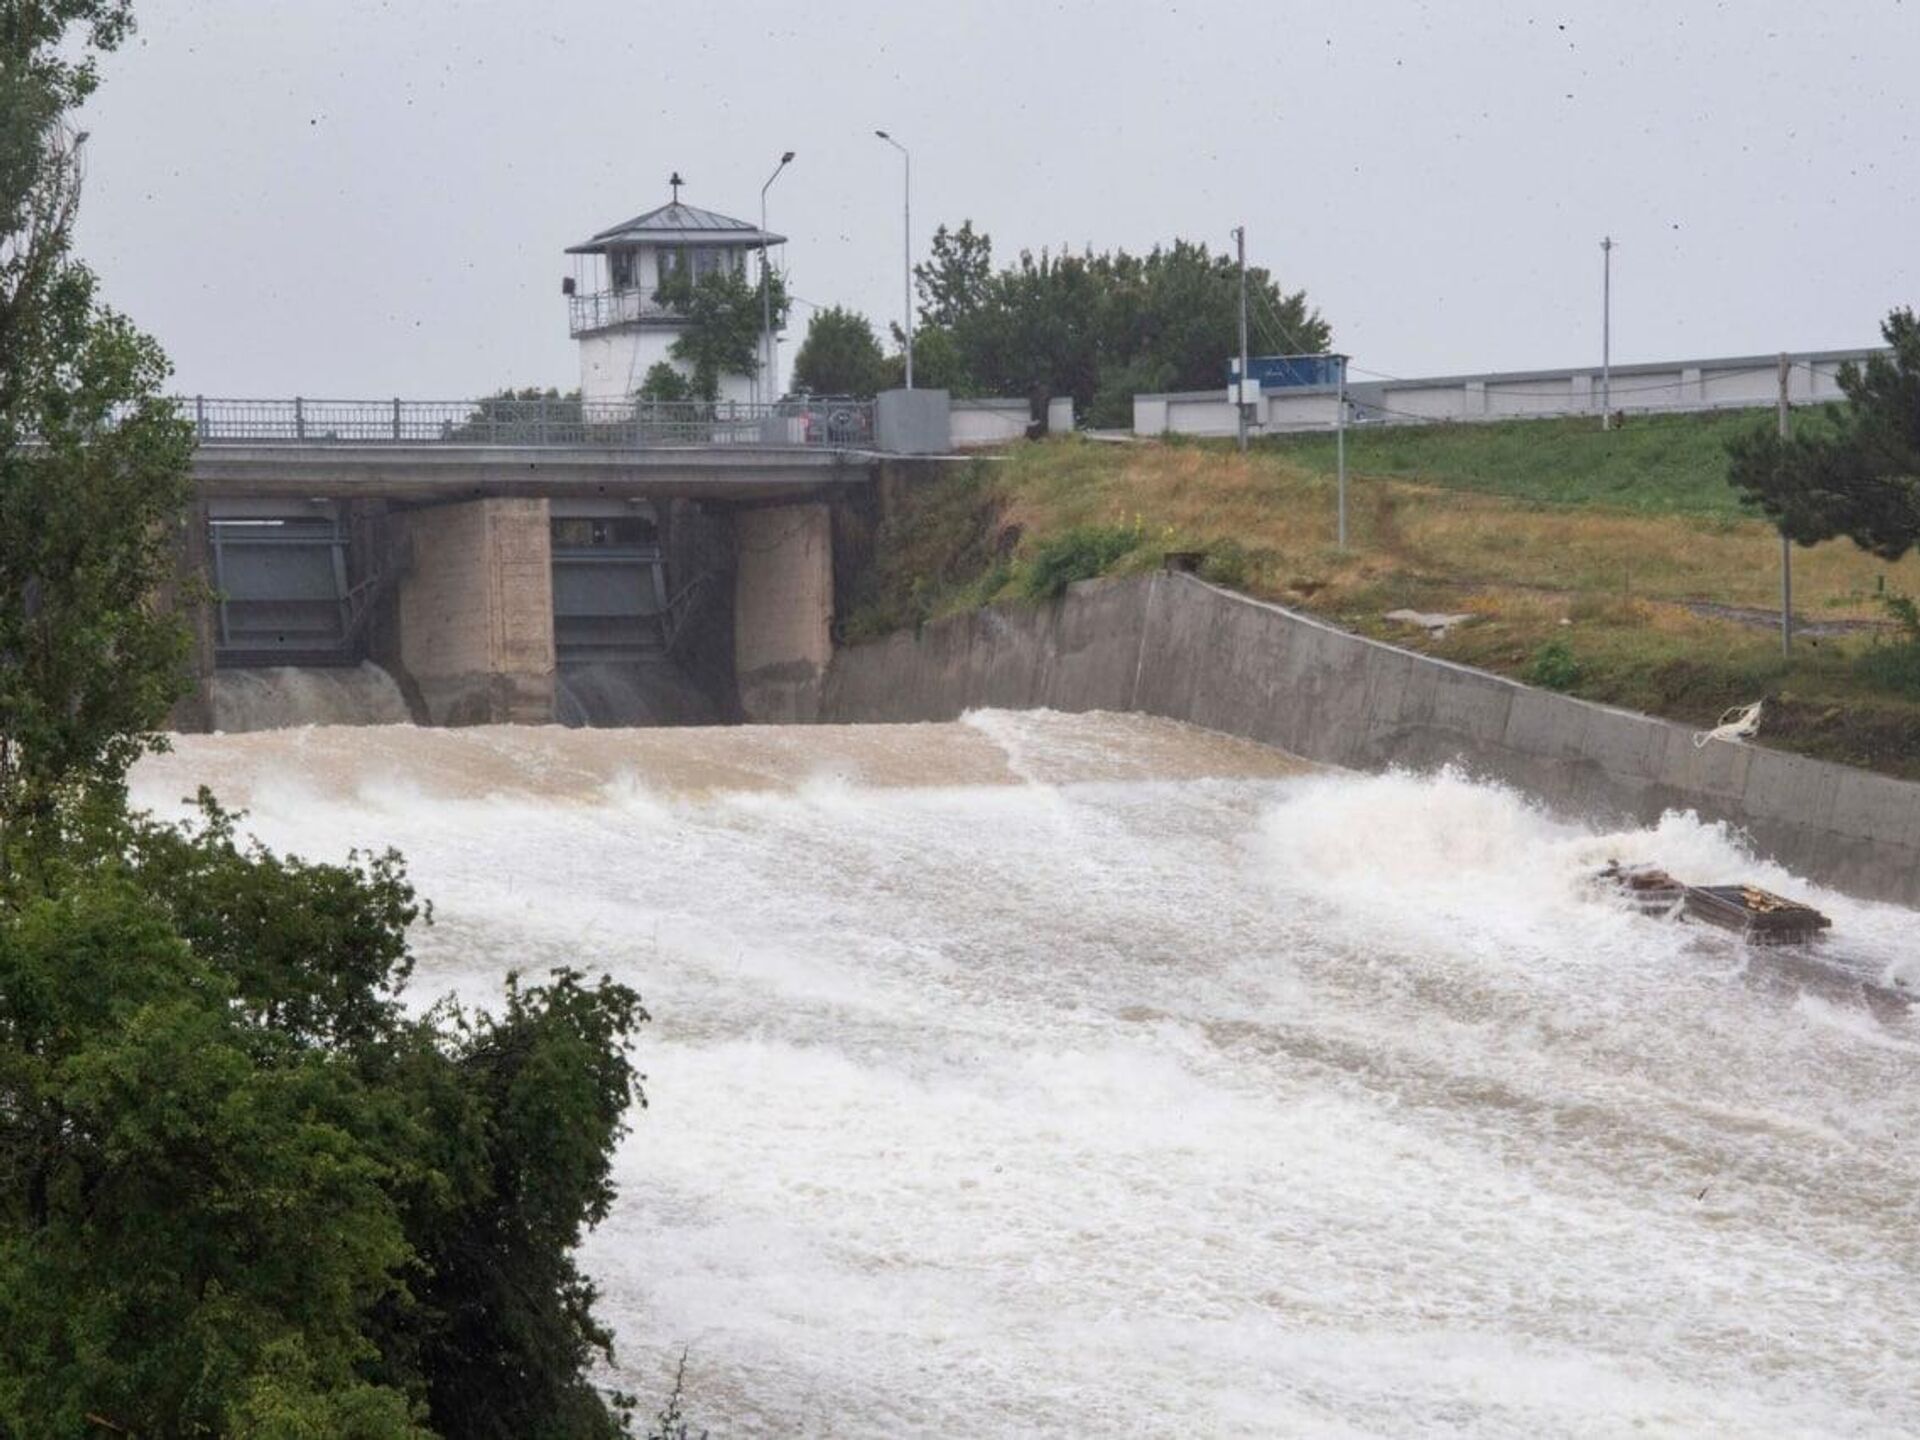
point(1173, 646)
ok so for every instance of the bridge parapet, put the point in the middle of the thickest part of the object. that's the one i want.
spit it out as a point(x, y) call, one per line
point(538, 421)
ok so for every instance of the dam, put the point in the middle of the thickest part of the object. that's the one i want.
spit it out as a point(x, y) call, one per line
point(528, 561)
point(1054, 1074)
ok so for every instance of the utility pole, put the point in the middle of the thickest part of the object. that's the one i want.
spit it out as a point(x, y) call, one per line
point(1340, 444)
point(1240, 395)
point(906, 290)
point(1606, 332)
point(766, 286)
point(1786, 545)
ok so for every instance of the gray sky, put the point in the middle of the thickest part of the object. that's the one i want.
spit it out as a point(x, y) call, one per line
point(347, 198)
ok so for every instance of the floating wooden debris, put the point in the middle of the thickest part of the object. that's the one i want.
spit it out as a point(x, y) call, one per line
point(1652, 892)
point(1756, 915)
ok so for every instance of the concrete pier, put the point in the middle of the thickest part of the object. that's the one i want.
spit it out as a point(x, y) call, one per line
point(476, 611)
point(782, 610)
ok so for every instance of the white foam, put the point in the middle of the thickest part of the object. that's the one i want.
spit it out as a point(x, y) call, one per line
point(1323, 1105)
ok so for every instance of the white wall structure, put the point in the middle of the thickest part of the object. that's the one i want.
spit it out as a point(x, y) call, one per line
point(622, 330)
point(982, 423)
point(1726, 383)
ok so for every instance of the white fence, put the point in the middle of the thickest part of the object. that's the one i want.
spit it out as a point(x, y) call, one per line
point(1727, 383)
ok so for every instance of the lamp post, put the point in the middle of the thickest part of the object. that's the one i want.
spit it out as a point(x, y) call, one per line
point(766, 284)
point(907, 279)
point(1606, 333)
point(1240, 394)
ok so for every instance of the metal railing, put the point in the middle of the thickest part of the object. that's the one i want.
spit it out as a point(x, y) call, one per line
point(607, 308)
point(552, 420)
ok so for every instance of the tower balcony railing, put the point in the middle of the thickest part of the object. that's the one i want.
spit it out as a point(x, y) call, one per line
point(607, 308)
point(550, 420)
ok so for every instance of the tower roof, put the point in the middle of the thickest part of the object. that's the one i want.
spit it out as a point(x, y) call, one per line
point(676, 223)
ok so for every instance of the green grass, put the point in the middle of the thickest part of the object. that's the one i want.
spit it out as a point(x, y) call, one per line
point(1577, 552)
point(1655, 464)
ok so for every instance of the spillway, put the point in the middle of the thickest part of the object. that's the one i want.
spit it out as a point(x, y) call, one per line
point(275, 697)
point(1088, 1075)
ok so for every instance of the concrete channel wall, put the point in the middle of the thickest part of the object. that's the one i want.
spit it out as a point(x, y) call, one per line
point(1173, 646)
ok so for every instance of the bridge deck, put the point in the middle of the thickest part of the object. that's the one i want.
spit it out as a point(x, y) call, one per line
point(439, 470)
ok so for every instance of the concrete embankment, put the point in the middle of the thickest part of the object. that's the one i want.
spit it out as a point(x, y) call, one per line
point(1173, 646)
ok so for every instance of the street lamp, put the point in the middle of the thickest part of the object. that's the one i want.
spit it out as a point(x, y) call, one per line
point(766, 287)
point(907, 279)
point(1606, 332)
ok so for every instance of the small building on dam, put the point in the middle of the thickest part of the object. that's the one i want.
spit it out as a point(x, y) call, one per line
point(597, 558)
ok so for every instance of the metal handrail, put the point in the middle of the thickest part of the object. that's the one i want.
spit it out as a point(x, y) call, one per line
point(544, 421)
point(604, 309)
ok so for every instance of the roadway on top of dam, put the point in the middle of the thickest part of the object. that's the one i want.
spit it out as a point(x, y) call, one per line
point(423, 451)
point(443, 471)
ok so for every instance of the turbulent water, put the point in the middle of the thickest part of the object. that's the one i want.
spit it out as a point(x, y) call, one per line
point(272, 697)
point(1092, 1075)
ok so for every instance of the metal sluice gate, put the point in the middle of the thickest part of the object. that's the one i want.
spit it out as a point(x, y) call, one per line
point(284, 588)
point(291, 589)
point(610, 601)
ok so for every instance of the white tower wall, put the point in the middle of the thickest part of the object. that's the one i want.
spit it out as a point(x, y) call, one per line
point(614, 363)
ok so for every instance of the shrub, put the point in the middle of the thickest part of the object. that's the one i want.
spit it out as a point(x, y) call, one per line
point(1895, 666)
point(1077, 554)
point(243, 1191)
point(664, 383)
point(1905, 613)
point(1554, 667)
point(1231, 564)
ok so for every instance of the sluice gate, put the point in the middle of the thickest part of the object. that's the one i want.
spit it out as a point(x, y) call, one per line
point(283, 584)
point(610, 600)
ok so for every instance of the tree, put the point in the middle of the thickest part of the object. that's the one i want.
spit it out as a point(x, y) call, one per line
point(1858, 473)
point(724, 311)
point(840, 355)
point(243, 1191)
point(1100, 326)
point(93, 461)
point(936, 362)
point(528, 416)
point(953, 283)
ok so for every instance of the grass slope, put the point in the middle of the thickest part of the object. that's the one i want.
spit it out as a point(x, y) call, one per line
point(1659, 464)
point(1604, 547)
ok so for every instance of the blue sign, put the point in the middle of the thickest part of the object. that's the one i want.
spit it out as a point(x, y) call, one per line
point(1287, 372)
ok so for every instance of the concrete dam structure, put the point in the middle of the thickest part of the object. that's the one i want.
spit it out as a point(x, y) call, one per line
point(527, 562)
point(623, 610)
point(536, 573)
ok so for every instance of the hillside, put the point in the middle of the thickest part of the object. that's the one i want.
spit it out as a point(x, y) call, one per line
point(1614, 565)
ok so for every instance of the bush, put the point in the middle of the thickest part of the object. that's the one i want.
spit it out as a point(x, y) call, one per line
point(242, 1191)
point(664, 383)
point(1905, 613)
point(1554, 667)
point(1077, 554)
point(1230, 564)
point(1893, 668)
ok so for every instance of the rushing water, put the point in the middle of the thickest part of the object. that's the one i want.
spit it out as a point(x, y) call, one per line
point(1092, 1075)
point(272, 697)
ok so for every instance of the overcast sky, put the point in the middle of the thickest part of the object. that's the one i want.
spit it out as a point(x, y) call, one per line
point(347, 198)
